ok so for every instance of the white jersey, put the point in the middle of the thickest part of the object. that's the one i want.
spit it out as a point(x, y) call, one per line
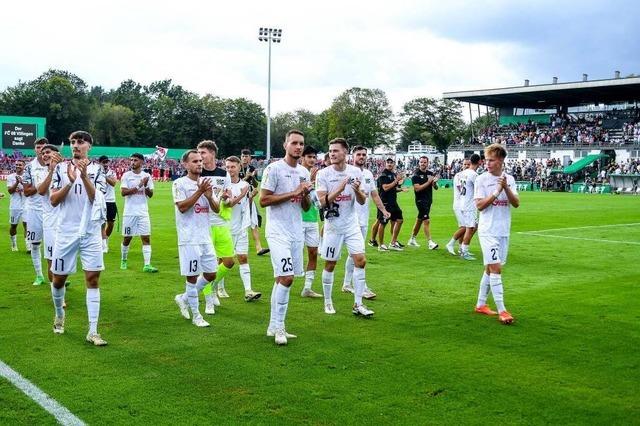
point(192, 225)
point(136, 204)
point(218, 184)
point(110, 196)
point(240, 214)
point(49, 213)
point(367, 185)
point(17, 198)
point(284, 220)
point(466, 181)
point(34, 174)
point(74, 212)
point(495, 220)
point(327, 181)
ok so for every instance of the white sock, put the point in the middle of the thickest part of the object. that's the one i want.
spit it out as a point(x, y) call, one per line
point(220, 284)
point(13, 241)
point(272, 317)
point(124, 250)
point(309, 276)
point(93, 309)
point(464, 248)
point(348, 271)
point(192, 298)
point(201, 283)
point(35, 259)
point(358, 284)
point(451, 242)
point(146, 254)
point(496, 289)
point(57, 294)
point(483, 293)
point(327, 285)
point(282, 303)
point(245, 276)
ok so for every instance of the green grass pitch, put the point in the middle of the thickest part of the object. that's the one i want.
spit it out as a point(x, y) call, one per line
point(571, 356)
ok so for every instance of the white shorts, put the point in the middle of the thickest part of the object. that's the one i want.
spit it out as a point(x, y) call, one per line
point(34, 225)
point(49, 241)
point(240, 242)
point(196, 259)
point(311, 232)
point(15, 216)
point(254, 214)
point(494, 249)
point(133, 226)
point(66, 250)
point(332, 243)
point(466, 218)
point(286, 257)
point(364, 230)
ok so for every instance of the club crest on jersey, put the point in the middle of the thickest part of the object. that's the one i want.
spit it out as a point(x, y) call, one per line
point(302, 179)
point(220, 181)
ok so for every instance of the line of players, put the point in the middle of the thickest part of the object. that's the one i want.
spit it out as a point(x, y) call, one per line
point(76, 188)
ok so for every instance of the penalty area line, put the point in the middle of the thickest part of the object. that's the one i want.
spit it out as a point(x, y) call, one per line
point(597, 240)
point(62, 415)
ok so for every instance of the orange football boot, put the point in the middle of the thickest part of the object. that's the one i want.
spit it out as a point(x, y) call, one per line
point(505, 318)
point(485, 310)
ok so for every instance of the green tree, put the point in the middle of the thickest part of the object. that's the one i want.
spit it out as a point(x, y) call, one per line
point(300, 119)
point(362, 116)
point(479, 124)
point(243, 124)
point(431, 121)
point(134, 96)
point(113, 125)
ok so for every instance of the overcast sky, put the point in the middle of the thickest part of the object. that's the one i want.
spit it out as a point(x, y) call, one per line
point(406, 48)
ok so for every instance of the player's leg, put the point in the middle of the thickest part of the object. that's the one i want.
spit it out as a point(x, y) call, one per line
point(91, 256)
point(355, 248)
point(374, 232)
point(13, 230)
point(241, 248)
point(24, 232)
point(381, 225)
point(223, 243)
point(396, 215)
point(286, 259)
point(487, 244)
point(426, 226)
point(455, 237)
point(63, 264)
point(34, 234)
point(312, 241)
point(128, 225)
point(330, 252)
point(144, 230)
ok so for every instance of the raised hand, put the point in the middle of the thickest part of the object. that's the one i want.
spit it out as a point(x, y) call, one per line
point(204, 187)
point(502, 182)
point(355, 184)
point(54, 160)
point(144, 181)
point(82, 166)
point(71, 172)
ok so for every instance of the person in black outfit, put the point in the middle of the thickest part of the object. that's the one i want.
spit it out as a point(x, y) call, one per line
point(424, 182)
point(389, 183)
point(248, 173)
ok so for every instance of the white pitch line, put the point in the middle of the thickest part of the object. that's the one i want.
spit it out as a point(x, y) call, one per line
point(582, 227)
point(62, 415)
point(534, 234)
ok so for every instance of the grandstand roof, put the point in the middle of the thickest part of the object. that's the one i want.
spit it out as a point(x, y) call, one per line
point(552, 95)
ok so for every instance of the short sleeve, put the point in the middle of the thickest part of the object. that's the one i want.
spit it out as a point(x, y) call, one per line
point(56, 179)
point(123, 182)
point(479, 190)
point(150, 184)
point(11, 180)
point(101, 181)
point(27, 177)
point(179, 193)
point(512, 184)
point(269, 179)
point(321, 182)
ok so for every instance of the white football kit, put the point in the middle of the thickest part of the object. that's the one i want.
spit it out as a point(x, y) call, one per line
point(16, 201)
point(135, 220)
point(464, 203)
point(494, 224)
point(49, 225)
point(240, 219)
point(284, 220)
point(34, 174)
point(342, 227)
point(80, 221)
point(367, 185)
point(195, 248)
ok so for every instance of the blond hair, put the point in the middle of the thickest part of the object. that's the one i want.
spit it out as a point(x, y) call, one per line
point(497, 150)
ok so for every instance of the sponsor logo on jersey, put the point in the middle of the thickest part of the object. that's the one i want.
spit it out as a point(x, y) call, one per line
point(501, 203)
point(343, 197)
point(220, 181)
point(200, 209)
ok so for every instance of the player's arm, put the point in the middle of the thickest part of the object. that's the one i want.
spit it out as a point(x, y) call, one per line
point(88, 183)
point(59, 188)
point(28, 188)
point(111, 179)
point(513, 198)
point(235, 200)
point(125, 191)
point(13, 186)
point(268, 198)
point(389, 186)
point(46, 183)
point(378, 202)
point(148, 186)
point(483, 201)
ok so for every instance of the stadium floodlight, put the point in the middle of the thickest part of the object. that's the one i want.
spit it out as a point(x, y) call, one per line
point(269, 35)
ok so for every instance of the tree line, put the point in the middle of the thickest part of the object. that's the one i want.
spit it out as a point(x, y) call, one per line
point(163, 113)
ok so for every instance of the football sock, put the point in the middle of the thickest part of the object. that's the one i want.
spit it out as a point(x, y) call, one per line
point(14, 243)
point(309, 276)
point(201, 283)
point(282, 303)
point(359, 284)
point(451, 242)
point(93, 309)
point(35, 259)
point(124, 250)
point(496, 289)
point(219, 284)
point(348, 271)
point(464, 248)
point(272, 317)
point(222, 272)
point(245, 276)
point(327, 285)
point(58, 300)
point(192, 298)
point(146, 254)
point(483, 293)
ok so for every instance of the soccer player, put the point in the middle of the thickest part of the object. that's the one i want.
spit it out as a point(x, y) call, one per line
point(495, 192)
point(389, 184)
point(310, 225)
point(248, 174)
point(78, 188)
point(466, 212)
point(193, 199)
point(285, 193)
point(16, 203)
point(367, 186)
point(338, 189)
point(424, 182)
point(110, 198)
point(220, 221)
point(34, 174)
point(240, 221)
point(457, 194)
point(136, 186)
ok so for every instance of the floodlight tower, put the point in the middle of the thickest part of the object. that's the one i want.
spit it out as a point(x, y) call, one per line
point(270, 35)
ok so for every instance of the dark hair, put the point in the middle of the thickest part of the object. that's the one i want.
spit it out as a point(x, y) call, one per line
point(208, 144)
point(103, 158)
point(138, 156)
point(51, 147)
point(309, 150)
point(293, 132)
point(245, 152)
point(20, 161)
point(424, 156)
point(358, 148)
point(475, 159)
point(186, 154)
point(390, 160)
point(233, 159)
point(41, 141)
point(82, 135)
point(340, 141)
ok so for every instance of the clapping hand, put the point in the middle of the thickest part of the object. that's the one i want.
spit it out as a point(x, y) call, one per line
point(204, 186)
point(144, 181)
